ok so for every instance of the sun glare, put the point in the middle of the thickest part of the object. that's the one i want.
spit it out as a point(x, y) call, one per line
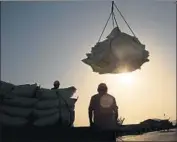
point(122, 80)
point(126, 78)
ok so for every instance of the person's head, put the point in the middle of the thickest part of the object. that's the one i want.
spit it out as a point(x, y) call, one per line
point(102, 88)
point(56, 84)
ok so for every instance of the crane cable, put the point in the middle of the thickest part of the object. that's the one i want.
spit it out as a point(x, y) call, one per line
point(104, 28)
point(114, 20)
point(124, 20)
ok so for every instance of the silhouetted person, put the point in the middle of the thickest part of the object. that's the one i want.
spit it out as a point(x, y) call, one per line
point(103, 110)
point(56, 85)
point(72, 109)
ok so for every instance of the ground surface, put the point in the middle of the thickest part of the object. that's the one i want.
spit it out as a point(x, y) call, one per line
point(153, 136)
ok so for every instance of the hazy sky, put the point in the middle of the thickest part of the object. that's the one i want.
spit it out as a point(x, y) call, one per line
point(45, 41)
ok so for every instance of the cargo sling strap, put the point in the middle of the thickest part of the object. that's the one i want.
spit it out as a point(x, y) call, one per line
point(114, 20)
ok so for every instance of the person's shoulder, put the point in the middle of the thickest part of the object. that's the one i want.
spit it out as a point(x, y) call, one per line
point(94, 96)
point(111, 96)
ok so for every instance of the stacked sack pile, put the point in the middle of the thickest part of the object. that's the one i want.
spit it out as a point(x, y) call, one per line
point(54, 107)
point(120, 52)
point(31, 105)
point(67, 105)
point(17, 103)
point(5, 88)
point(46, 109)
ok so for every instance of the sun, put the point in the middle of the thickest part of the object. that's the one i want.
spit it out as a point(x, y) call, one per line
point(126, 78)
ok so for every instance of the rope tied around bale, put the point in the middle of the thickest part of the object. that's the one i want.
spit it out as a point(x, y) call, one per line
point(114, 21)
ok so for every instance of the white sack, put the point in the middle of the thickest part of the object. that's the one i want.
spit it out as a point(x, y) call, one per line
point(47, 104)
point(48, 120)
point(5, 88)
point(66, 116)
point(43, 93)
point(12, 121)
point(65, 93)
point(26, 90)
point(65, 98)
point(16, 111)
point(46, 112)
point(71, 102)
point(114, 33)
point(100, 49)
point(125, 46)
point(20, 101)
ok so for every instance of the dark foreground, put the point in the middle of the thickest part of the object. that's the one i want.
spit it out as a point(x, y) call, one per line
point(81, 134)
point(58, 134)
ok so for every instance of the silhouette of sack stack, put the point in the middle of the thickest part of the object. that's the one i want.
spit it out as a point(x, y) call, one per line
point(21, 105)
point(54, 106)
point(17, 104)
point(5, 88)
point(118, 53)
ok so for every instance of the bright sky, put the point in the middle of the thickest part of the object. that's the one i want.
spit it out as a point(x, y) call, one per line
point(45, 41)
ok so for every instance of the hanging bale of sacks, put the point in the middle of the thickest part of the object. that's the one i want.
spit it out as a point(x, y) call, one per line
point(119, 53)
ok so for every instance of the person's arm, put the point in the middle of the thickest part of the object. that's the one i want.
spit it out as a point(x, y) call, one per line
point(90, 117)
point(115, 108)
point(90, 109)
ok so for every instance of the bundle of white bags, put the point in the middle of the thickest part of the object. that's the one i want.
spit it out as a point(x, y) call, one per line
point(17, 105)
point(119, 53)
point(5, 88)
point(46, 107)
point(54, 106)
